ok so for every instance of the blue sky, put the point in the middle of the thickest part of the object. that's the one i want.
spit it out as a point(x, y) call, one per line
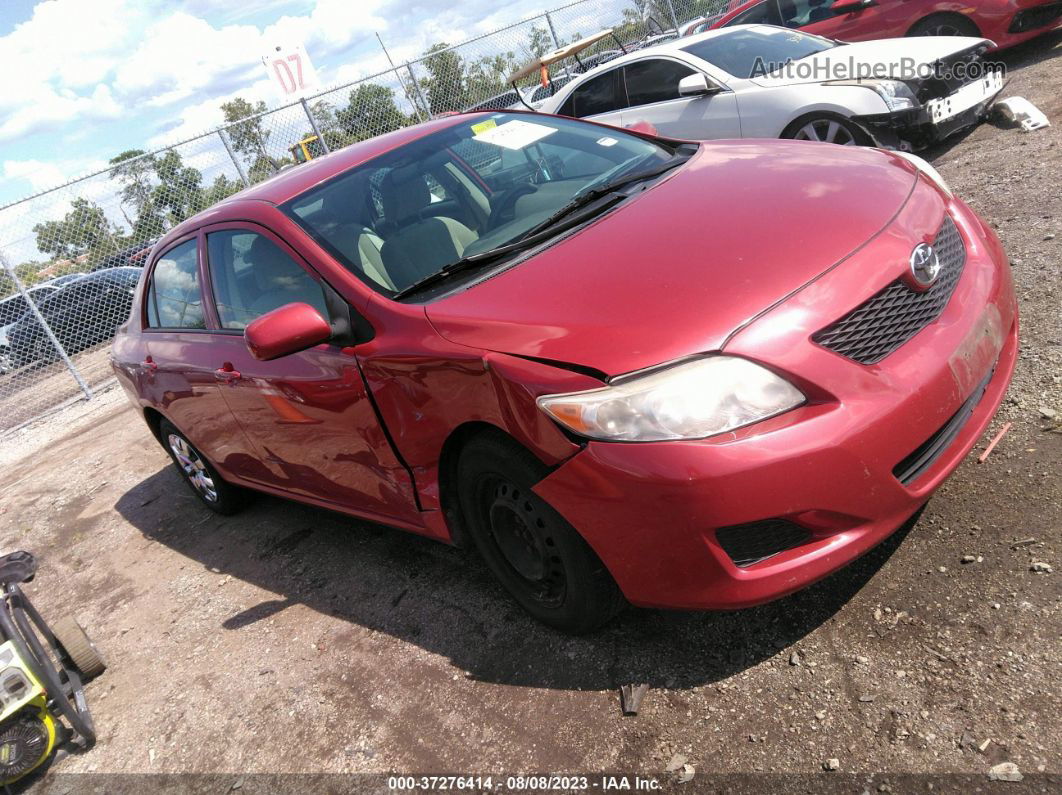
point(86, 79)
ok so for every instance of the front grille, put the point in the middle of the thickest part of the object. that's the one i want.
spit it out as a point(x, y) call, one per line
point(756, 541)
point(877, 327)
point(922, 458)
point(1033, 18)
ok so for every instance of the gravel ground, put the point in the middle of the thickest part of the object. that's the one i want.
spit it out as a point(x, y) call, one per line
point(291, 639)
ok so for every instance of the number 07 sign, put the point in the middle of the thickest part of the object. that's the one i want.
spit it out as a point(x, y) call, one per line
point(291, 71)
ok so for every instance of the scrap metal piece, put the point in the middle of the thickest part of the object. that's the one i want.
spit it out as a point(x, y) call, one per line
point(1023, 112)
point(631, 698)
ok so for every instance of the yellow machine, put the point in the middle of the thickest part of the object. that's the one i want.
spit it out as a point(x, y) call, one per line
point(38, 685)
point(27, 728)
point(306, 149)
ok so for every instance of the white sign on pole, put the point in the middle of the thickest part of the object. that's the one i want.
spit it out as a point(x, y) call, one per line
point(291, 71)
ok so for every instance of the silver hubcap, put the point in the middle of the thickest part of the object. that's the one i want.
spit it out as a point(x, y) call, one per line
point(826, 130)
point(193, 467)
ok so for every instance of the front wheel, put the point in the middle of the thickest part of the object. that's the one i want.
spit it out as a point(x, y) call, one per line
point(827, 129)
point(945, 25)
point(536, 555)
point(198, 473)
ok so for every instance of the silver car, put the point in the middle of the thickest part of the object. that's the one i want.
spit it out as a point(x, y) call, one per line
point(761, 81)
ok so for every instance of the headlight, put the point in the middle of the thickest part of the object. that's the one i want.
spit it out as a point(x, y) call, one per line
point(926, 169)
point(895, 93)
point(693, 400)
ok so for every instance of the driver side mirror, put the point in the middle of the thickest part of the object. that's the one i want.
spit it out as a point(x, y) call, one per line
point(289, 329)
point(696, 85)
point(848, 6)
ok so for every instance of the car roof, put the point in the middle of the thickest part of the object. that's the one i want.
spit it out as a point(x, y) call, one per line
point(672, 47)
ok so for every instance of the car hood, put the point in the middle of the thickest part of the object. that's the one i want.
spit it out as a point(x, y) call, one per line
point(676, 269)
point(884, 58)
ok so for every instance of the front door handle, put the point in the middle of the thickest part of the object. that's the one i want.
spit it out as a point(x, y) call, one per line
point(227, 374)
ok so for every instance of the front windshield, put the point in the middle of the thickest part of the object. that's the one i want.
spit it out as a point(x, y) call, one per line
point(756, 51)
point(475, 186)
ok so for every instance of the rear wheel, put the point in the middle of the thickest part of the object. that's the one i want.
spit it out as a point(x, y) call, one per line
point(535, 554)
point(79, 648)
point(198, 473)
point(945, 25)
point(827, 129)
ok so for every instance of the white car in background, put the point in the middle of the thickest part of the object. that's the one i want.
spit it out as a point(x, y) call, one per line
point(725, 84)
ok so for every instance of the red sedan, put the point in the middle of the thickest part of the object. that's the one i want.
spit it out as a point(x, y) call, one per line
point(1006, 22)
point(625, 368)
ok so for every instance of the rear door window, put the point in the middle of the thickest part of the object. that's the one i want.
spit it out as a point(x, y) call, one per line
point(600, 94)
point(174, 299)
point(654, 80)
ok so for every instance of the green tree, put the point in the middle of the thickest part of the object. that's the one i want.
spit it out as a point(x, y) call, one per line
point(249, 137)
point(488, 76)
point(370, 111)
point(82, 230)
point(221, 188)
point(179, 193)
point(539, 42)
point(133, 170)
point(445, 86)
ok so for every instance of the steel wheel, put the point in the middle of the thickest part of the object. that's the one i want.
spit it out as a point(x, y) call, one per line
point(828, 131)
point(521, 533)
point(533, 552)
point(193, 467)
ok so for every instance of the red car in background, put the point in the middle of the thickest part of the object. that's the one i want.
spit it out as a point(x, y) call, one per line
point(691, 375)
point(1006, 22)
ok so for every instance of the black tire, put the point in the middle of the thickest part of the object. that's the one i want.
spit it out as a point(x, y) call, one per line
point(199, 474)
point(945, 25)
point(77, 646)
point(829, 129)
point(534, 553)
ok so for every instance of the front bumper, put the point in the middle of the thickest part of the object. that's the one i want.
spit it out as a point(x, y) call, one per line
point(652, 511)
point(912, 130)
point(1028, 23)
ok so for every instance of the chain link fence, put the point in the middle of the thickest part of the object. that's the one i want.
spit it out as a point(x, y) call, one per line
point(71, 256)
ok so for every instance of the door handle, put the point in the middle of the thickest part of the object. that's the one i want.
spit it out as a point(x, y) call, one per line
point(147, 364)
point(227, 374)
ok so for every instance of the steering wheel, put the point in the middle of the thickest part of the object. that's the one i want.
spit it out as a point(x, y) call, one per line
point(504, 210)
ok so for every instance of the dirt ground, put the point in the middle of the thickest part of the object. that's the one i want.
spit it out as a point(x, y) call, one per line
point(288, 639)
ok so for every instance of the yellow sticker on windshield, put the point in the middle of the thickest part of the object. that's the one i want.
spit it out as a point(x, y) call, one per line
point(483, 126)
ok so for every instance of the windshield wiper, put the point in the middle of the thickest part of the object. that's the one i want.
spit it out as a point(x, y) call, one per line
point(589, 195)
point(602, 196)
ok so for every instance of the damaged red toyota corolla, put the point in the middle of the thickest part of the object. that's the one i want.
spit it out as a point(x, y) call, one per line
point(625, 368)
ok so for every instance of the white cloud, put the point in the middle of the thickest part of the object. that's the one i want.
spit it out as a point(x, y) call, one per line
point(42, 175)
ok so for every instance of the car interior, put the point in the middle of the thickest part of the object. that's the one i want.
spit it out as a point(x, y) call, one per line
point(397, 221)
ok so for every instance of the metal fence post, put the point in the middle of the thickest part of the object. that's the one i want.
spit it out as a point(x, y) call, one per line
point(110, 236)
point(416, 88)
point(47, 329)
point(232, 156)
point(552, 30)
point(313, 125)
